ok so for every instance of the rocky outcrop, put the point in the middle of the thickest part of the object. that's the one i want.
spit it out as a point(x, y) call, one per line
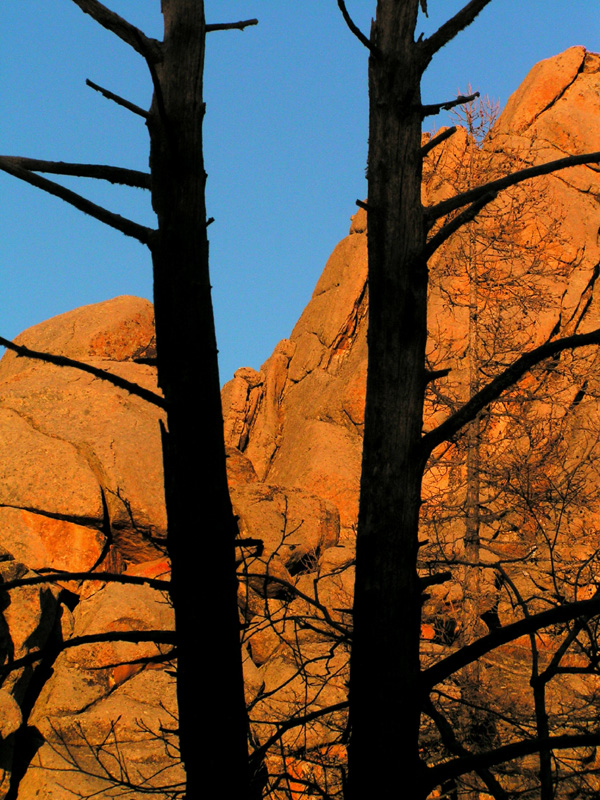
point(299, 420)
point(86, 463)
point(81, 479)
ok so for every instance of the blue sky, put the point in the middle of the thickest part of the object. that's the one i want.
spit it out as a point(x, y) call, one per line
point(286, 140)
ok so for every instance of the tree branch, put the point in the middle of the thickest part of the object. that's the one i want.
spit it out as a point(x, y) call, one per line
point(356, 30)
point(451, 28)
point(105, 577)
point(120, 175)
point(508, 752)
point(229, 26)
point(468, 215)
point(500, 383)
point(126, 226)
point(64, 361)
point(469, 653)
point(446, 206)
point(142, 44)
point(154, 636)
point(452, 744)
point(120, 101)
point(293, 722)
point(435, 140)
point(435, 108)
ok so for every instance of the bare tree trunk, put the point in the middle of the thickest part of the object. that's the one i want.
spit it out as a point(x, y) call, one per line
point(384, 672)
point(201, 525)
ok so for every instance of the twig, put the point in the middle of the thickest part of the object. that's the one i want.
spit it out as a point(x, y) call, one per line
point(229, 26)
point(64, 361)
point(120, 101)
point(126, 226)
point(120, 175)
point(144, 45)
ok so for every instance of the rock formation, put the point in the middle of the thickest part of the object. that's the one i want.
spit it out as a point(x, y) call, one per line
point(81, 485)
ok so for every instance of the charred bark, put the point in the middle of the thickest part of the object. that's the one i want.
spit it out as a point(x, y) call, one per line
point(201, 524)
point(384, 667)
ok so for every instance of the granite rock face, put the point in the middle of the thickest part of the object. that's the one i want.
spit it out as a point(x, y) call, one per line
point(81, 481)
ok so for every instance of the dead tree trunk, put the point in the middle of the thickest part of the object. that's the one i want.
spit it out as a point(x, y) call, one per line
point(201, 524)
point(384, 706)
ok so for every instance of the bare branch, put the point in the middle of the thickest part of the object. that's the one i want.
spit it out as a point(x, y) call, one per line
point(435, 108)
point(120, 175)
point(468, 215)
point(356, 30)
point(229, 26)
point(154, 636)
point(433, 375)
point(105, 577)
point(120, 101)
point(435, 140)
point(446, 206)
point(470, 653)
point(500, 383)
point(434, 580)
point(142, 44)
point(452, 27)
point(126, 226)
point(450, 741)
point(64, 361)
point(293, 722)
point(509, 752)
point(362, 204)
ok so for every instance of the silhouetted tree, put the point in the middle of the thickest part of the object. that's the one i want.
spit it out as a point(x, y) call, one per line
point(387, 687)
point(193, 449)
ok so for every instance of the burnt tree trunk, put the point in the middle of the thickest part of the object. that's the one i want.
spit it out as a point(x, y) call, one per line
point(201, 524)
point(384, 671)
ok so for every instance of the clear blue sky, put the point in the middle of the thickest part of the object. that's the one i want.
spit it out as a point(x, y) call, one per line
point(286, 138)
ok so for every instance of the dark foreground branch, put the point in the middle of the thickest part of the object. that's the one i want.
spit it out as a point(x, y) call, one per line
point(500, 384)
point(230, 26)
point(119, 175)
point(452, 28)
point(120, 101)
point(293, 722)
point(462, 765)
point(64, 361)
point(105, 577)
point(355, 29)
point(449, 229)
point(155, 636)
point(142, 44)
point(500, 636)
point(466, 198)
point(448, 737)
point(126, 226)
point(435, 108)
point(438, 139)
